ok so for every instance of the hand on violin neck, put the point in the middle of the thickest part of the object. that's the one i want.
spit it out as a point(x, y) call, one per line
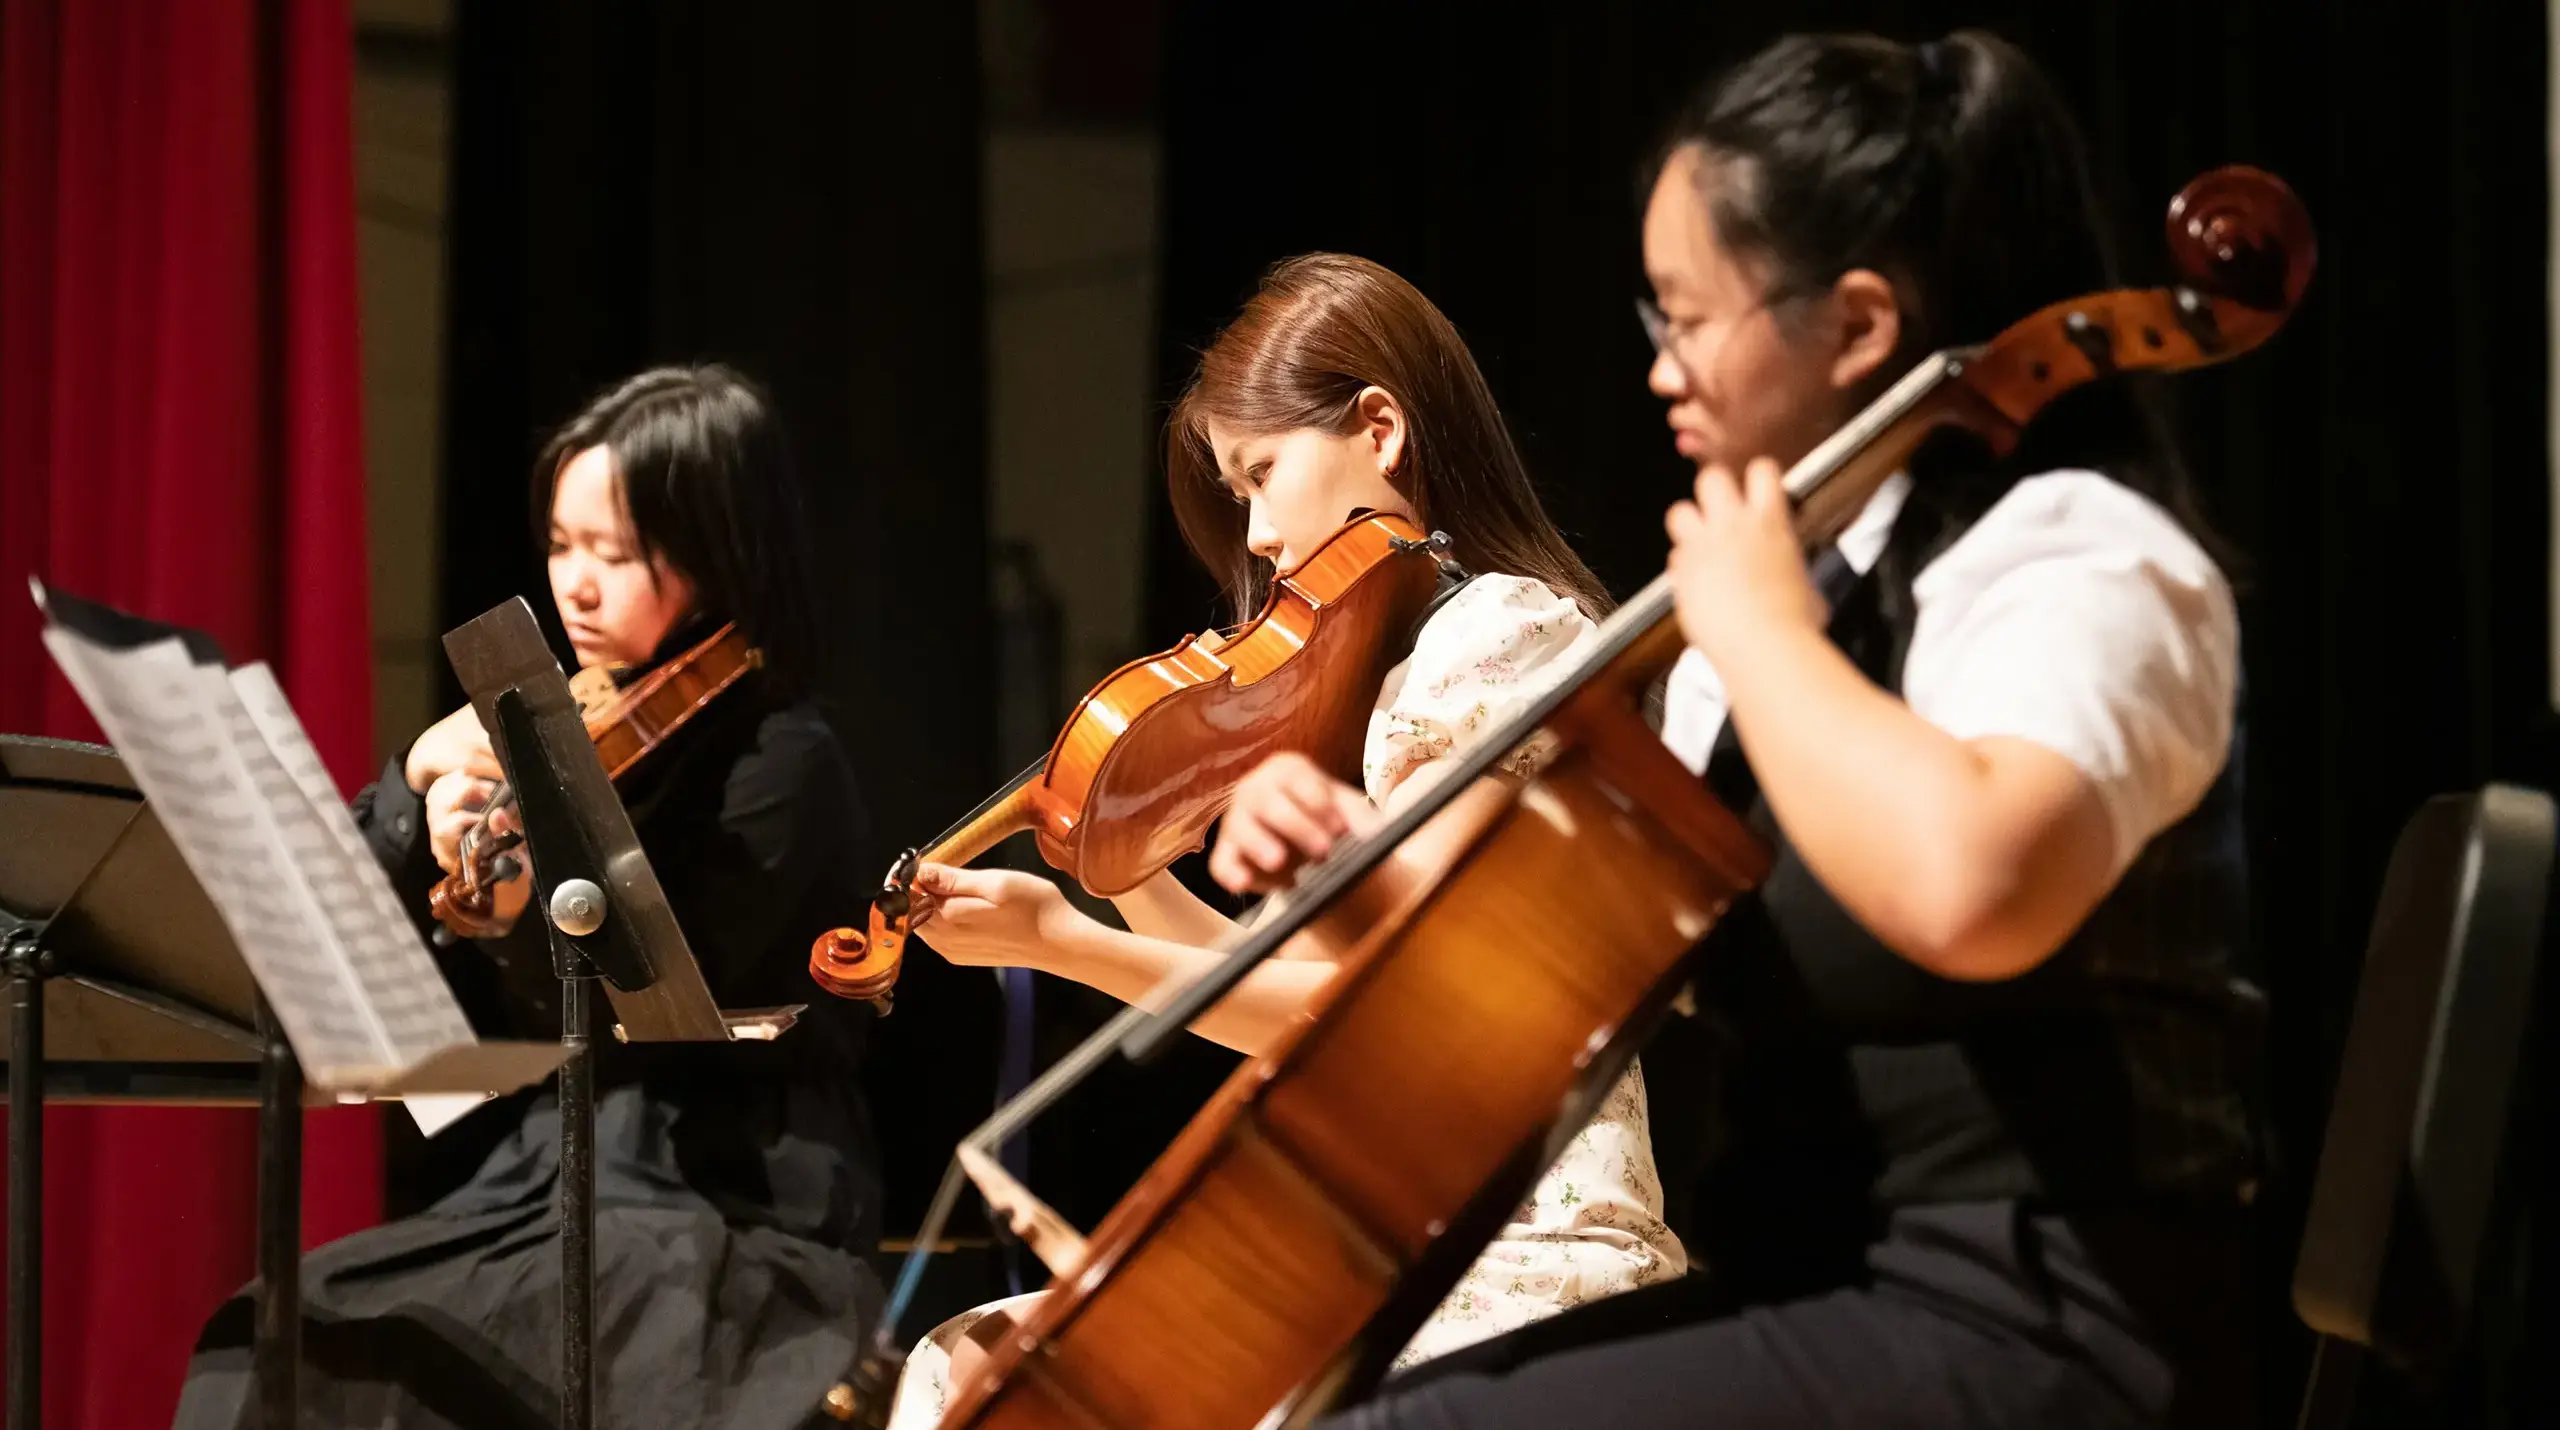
point(460, 824)
point(990, 918)
point(455, 805)
point(1285, 815)
point(453, 743)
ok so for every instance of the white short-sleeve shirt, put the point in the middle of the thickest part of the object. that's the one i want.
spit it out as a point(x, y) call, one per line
point(2075, 614)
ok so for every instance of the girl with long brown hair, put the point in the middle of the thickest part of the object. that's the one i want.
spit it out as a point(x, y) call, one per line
point(1341, 388)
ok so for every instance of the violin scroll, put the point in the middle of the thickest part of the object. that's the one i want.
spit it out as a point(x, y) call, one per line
point(2240, 233)
point(852, 964)
point(849, 965)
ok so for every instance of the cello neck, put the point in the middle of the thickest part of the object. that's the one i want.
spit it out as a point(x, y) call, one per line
point(1829, 486)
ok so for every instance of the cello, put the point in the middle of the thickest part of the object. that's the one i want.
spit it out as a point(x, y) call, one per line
point(1503, 948)
point(1148, 759)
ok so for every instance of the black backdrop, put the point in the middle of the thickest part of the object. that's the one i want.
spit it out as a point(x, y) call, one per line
point(793, 189)
point(2384, 465)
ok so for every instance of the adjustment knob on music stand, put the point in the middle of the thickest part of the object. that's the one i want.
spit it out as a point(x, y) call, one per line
point(577, 907)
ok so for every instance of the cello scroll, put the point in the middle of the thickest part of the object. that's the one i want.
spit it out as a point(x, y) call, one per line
point(2244, 250)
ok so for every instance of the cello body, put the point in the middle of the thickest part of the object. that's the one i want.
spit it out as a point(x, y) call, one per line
point(1313, 1214)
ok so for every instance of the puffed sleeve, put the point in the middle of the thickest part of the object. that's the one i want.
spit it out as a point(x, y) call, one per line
point(1491, 647)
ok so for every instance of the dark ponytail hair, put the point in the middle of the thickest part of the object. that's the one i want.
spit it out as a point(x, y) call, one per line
point(1953, 169)
point(702, 469)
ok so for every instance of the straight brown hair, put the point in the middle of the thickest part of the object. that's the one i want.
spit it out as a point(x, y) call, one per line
point(1323, 327)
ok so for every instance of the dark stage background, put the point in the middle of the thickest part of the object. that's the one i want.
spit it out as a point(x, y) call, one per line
point(797, 190)
point(2384, 466)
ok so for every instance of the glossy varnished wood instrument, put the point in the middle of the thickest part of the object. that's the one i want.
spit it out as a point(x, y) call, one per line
point(1149, 758)
point(1503, 944)
point(626, 724)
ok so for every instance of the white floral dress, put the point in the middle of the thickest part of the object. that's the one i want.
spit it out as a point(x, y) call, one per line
point(1593, 1226)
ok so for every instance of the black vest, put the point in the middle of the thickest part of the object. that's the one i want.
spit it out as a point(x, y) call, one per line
point(1826, 1080)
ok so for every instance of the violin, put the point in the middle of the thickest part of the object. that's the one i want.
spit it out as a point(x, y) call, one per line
point(1504, 946)
point(1150, 757)
point(626, 724)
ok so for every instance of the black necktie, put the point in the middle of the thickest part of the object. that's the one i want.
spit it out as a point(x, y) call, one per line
point(1728, 773)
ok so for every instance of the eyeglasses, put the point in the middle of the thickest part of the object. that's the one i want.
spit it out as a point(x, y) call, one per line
point(1669, 337)
point(1657, 325)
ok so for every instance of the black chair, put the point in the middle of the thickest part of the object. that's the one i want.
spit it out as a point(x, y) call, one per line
point(2418, 1124)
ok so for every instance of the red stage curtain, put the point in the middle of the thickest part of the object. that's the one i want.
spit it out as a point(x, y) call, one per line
point(179, 435)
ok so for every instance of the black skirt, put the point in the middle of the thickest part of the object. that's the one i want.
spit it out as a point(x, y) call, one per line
point(450, 1320)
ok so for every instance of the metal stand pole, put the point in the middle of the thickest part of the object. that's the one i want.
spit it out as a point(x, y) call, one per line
point(278, 1350)
point(26, 1180)
point(577, 1209)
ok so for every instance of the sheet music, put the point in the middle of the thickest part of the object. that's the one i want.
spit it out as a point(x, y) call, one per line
point(149, 703)
point(415, 1008)
point(246, 802)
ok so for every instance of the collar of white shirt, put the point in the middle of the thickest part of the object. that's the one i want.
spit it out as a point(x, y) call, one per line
point(1862, 540)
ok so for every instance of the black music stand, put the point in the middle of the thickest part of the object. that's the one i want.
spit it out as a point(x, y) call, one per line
point(140, 932)
point(607, 917)
point(125, 986)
